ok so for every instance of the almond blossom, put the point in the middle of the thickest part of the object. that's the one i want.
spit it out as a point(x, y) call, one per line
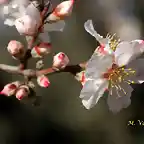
point(60, 60)
point(108, 69)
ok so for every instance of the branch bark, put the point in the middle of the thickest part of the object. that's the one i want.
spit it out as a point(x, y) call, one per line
point(73, 69)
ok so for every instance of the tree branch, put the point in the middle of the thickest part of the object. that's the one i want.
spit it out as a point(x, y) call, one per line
point(10, 69)
point(73, 69)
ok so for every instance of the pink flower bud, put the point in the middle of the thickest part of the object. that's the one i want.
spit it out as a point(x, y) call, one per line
point(16, 49)
point(60, 60)
point(63, 10)
point(43, 81)
point(26, 25)
point(41, 50)
point(10, 88)
point(22, 92)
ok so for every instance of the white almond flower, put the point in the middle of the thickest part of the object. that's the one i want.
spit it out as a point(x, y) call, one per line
point(110, 70)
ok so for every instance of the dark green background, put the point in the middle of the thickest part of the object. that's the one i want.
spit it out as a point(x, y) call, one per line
point(61, 118)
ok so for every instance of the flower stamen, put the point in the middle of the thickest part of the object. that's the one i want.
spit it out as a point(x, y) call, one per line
point(113, 41)
point(117, 75)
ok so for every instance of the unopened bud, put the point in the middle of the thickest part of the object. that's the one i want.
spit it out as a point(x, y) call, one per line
point(60, 60)
point(63, 10)
point(43, 81)
point(41, 50)
point(16, 49)
point(10, 88)
point(26, 25)
point(22, 92)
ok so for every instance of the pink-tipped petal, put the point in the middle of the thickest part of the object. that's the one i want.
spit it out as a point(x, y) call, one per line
point(61, 56)
point(46, 83)
point(64, 8)
point(2, 93)
point(22, 92)
point(43, 81)
point(19, 97)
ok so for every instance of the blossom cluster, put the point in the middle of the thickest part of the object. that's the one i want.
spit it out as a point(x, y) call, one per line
point(31, 19)
point(114, 66)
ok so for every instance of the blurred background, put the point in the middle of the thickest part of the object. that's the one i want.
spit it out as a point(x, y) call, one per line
point(61, 118)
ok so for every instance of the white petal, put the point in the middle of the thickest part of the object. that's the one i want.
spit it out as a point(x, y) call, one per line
point(58, 26)
point(32, 11)
point(92, 91)
point(141, 81)
point(9, 22)
point(97, 65)
point(128, 51)
point(138, 66)
point(88, 25)
point(118, 100)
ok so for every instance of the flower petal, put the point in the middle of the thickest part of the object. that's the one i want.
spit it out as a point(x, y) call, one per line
point(33, 12)
point(98, 64)
point(118, 100)
point(92, 91)
point(138, 66)
point(9, 22)
point(88, 25)
point(128, 51)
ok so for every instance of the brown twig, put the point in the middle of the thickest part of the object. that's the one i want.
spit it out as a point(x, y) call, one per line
point(30, 73)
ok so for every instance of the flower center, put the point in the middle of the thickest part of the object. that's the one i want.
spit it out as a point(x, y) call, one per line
point(115, 75)
point(113, 41)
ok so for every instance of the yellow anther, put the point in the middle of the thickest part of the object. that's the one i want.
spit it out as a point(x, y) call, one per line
point(118, 75)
